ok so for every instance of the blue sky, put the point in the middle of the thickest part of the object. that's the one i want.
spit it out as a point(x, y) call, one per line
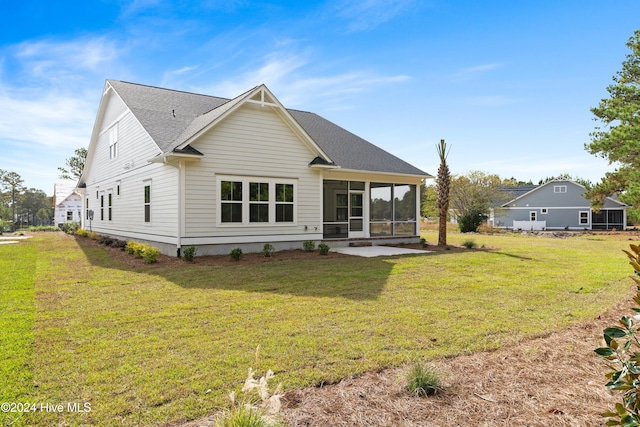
point(508, 84)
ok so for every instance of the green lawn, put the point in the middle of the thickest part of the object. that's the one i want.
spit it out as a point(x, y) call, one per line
point(159, 344)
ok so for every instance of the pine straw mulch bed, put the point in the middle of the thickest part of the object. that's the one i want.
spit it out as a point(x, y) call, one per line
point(555, 380)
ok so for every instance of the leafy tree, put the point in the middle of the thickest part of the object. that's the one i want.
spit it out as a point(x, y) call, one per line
point(473, 196)
point(75, 165)
point(443, 183)
point(32, 201)
point(428, 201)
point(44, 215)
point(619, 139)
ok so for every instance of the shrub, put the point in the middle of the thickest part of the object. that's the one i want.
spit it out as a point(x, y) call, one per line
point(423, 242)
point(70, 227)
point(105, 240)
point(309, 245)
point(423, 380)
point(189, 253)
point(150, 254)
point(236, 254)
point(267, 250)
point(621, 354)
point(470, 222)
point(469, 244)
point(115, 243)
point(44, 228)
point(82, 232)
point(131, 246)
point(93, 235)
point(324, 249)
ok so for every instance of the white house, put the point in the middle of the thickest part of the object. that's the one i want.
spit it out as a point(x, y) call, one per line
point(67, 202)
point(181, 169)
point(557, 205)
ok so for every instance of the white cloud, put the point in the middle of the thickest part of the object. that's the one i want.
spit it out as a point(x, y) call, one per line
point(283, 75)
point(476, 71)
point(368, 14)
point(62, 61)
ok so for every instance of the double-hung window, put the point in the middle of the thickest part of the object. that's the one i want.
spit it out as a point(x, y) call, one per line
point(284, 203)
point(147, 203)
point(113, 142)
point(258, 202)
point(231, 201)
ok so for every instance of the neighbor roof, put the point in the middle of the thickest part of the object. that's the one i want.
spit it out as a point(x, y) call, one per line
point(171, 117)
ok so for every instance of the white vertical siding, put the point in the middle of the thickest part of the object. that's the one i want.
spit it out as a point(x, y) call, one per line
point(253, 141)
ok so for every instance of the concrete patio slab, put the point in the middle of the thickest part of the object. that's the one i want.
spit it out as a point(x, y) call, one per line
point(374, 251)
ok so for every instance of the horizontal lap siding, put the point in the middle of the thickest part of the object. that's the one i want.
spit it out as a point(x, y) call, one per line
point(135, 148)
point(253, 141)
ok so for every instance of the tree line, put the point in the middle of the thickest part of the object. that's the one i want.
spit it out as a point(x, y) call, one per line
point(21, 206)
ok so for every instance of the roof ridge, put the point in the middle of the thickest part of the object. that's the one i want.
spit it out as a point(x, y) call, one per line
point(169, 90)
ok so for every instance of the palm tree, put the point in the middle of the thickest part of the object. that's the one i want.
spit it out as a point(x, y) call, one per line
point(443, 183)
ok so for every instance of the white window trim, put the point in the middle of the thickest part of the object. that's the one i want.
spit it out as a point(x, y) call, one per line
point(559, 188)
point(588, 217)
point(113, 142)
point(147, 183)
point(544, 211)
point(533, 215)
point(246, 180)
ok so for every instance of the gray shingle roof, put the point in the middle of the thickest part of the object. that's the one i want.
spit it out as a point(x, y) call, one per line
point(171, 117)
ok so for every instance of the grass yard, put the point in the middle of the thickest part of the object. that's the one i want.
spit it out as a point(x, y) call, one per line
point(154, 344)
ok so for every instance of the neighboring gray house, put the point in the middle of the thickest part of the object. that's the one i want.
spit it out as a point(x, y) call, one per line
point(179, 169)
point(557, 205)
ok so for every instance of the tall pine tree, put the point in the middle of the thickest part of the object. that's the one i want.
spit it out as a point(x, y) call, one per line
point(618, 140)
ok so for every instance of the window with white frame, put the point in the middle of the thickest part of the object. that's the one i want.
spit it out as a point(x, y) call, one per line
point(544, 211)
point(113, 142)
point(584, 217)
point(559, 188)
point(109, 205)
point(284, 202)
point(532, 215)
point(147, 203)
point(249, 200)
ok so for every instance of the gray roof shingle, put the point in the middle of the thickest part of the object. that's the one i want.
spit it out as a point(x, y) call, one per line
point(171, 117)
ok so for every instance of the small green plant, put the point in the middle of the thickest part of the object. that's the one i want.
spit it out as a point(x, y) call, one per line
point(150, 254)
point(423, 380)
point(142, 250)
point(189, 253)
point(309, 245)
point(267, 250)
point(469, 244)
point(82, 232)
point(423, 242)
point(70, 227)
point(324, 249)
point(236, 254)
point(622, 355)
